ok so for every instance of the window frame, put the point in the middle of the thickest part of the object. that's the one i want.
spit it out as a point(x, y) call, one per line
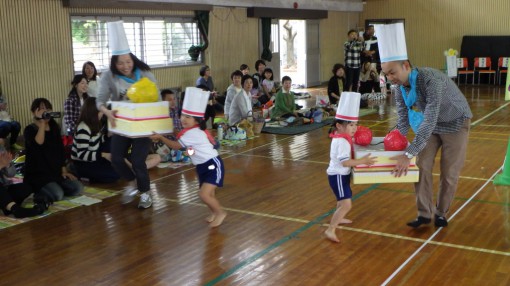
point(140, 47)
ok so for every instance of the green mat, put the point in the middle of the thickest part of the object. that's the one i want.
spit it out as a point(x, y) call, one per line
point(90, 196)
point(300, 129)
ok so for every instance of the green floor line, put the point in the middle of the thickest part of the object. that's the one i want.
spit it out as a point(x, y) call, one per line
point(256, 256)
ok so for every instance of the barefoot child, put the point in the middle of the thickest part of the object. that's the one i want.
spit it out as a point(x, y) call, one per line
point(341, 155)
point(199, 145)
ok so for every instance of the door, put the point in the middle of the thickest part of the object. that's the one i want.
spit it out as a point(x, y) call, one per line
point(275, 49)
point(312, 53)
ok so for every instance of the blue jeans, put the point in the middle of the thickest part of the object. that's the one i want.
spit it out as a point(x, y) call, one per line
point(139, 152)
point(56, 191)
point(10, 127)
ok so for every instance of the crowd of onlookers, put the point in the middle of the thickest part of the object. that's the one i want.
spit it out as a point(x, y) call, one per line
point(58, 158)
point(55, 168)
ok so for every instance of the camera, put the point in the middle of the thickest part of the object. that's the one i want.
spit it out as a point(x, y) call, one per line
point(49, 115)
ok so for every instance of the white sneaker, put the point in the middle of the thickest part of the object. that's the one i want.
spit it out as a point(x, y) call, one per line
point(145, 201)
point(128, 195)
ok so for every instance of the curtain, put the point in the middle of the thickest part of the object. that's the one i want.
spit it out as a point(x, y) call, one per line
point(203, 25)
point(266, 39)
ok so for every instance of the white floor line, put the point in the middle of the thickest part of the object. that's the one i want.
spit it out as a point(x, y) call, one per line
point(438, 230)
point(224, 157)
point(490, 114)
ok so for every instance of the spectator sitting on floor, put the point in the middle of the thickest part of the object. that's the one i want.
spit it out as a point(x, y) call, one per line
point(233, 89)
point(241, 107)
point(7, 125)
point(13, 195)
point(74, 101)
point(91, 146)
point(336, 83)
point(174, 110)
point(45, 169)
point(90, 72)
point(284, 105)
point(369, 79)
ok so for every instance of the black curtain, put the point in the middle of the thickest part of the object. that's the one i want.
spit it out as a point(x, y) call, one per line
point(266, 39)
point(203, 25)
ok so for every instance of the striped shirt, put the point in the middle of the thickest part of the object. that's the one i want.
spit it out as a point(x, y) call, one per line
point(85, 146)
point(444, 107)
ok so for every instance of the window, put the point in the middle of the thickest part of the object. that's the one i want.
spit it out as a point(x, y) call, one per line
point(275, 37)
point(156, 41)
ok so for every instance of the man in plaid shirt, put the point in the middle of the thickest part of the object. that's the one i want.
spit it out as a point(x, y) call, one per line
point(431, 104)
point(353, 49)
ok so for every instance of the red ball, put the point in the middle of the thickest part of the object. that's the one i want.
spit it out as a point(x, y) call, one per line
point(395, 141)
point(296, 5)
point(363, 136)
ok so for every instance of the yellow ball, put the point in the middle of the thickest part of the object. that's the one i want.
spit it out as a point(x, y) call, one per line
point(142, 91)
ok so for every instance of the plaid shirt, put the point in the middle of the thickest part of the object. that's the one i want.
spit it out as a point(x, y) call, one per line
point(353, 51)
point(72, 107)
point(174, 114)
point(443, 105)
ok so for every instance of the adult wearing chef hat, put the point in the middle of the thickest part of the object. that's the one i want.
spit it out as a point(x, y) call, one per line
point(430, 103)
point(125, 70)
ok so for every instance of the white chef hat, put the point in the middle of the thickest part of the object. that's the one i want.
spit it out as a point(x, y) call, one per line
point(348, 106)
point(392, 42)
point(117, 39)
point(195, 102)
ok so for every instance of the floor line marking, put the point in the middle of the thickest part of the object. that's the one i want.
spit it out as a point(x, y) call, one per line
point(281, 241)
point(455, 198)
point(286, 159)
point(495, 125)
point(325, 163)
point(383, 121)
point(437, 231)
point(360, 230)
point(223, 157)
point(490, 114)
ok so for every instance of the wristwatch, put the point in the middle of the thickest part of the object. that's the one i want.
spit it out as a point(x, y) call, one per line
point(409, 155)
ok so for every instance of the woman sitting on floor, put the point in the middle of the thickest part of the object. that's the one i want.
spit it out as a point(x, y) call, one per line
point(13, 195)
point(91, 147)
point(241, 107)
point(284, 105)
point(45, 169)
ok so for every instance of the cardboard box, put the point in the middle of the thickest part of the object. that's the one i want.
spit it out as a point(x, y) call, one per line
point(380, 172)
point(383, 175)
point(141, 119)
point(376, 149)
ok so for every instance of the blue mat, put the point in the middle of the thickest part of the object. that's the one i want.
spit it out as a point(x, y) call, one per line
point(299, 129)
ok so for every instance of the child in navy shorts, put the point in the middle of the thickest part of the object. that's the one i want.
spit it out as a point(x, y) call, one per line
point(199, 145)
point(341, 159)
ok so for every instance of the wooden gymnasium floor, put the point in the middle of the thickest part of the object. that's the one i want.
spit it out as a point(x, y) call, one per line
point(278, 202)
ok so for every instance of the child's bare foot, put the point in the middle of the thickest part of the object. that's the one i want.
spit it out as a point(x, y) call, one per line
point(331, 235)
point(210, 218)
point(218, 219)
point(344, 221)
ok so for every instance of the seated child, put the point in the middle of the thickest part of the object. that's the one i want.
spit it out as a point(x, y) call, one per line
point(167, 154)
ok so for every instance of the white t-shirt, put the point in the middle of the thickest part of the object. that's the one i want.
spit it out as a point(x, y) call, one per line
point(340, 151)
point(197, 140)
point(269, 84)
point(93, 87)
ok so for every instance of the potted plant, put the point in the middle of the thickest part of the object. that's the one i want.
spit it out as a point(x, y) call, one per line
point(194, 52)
